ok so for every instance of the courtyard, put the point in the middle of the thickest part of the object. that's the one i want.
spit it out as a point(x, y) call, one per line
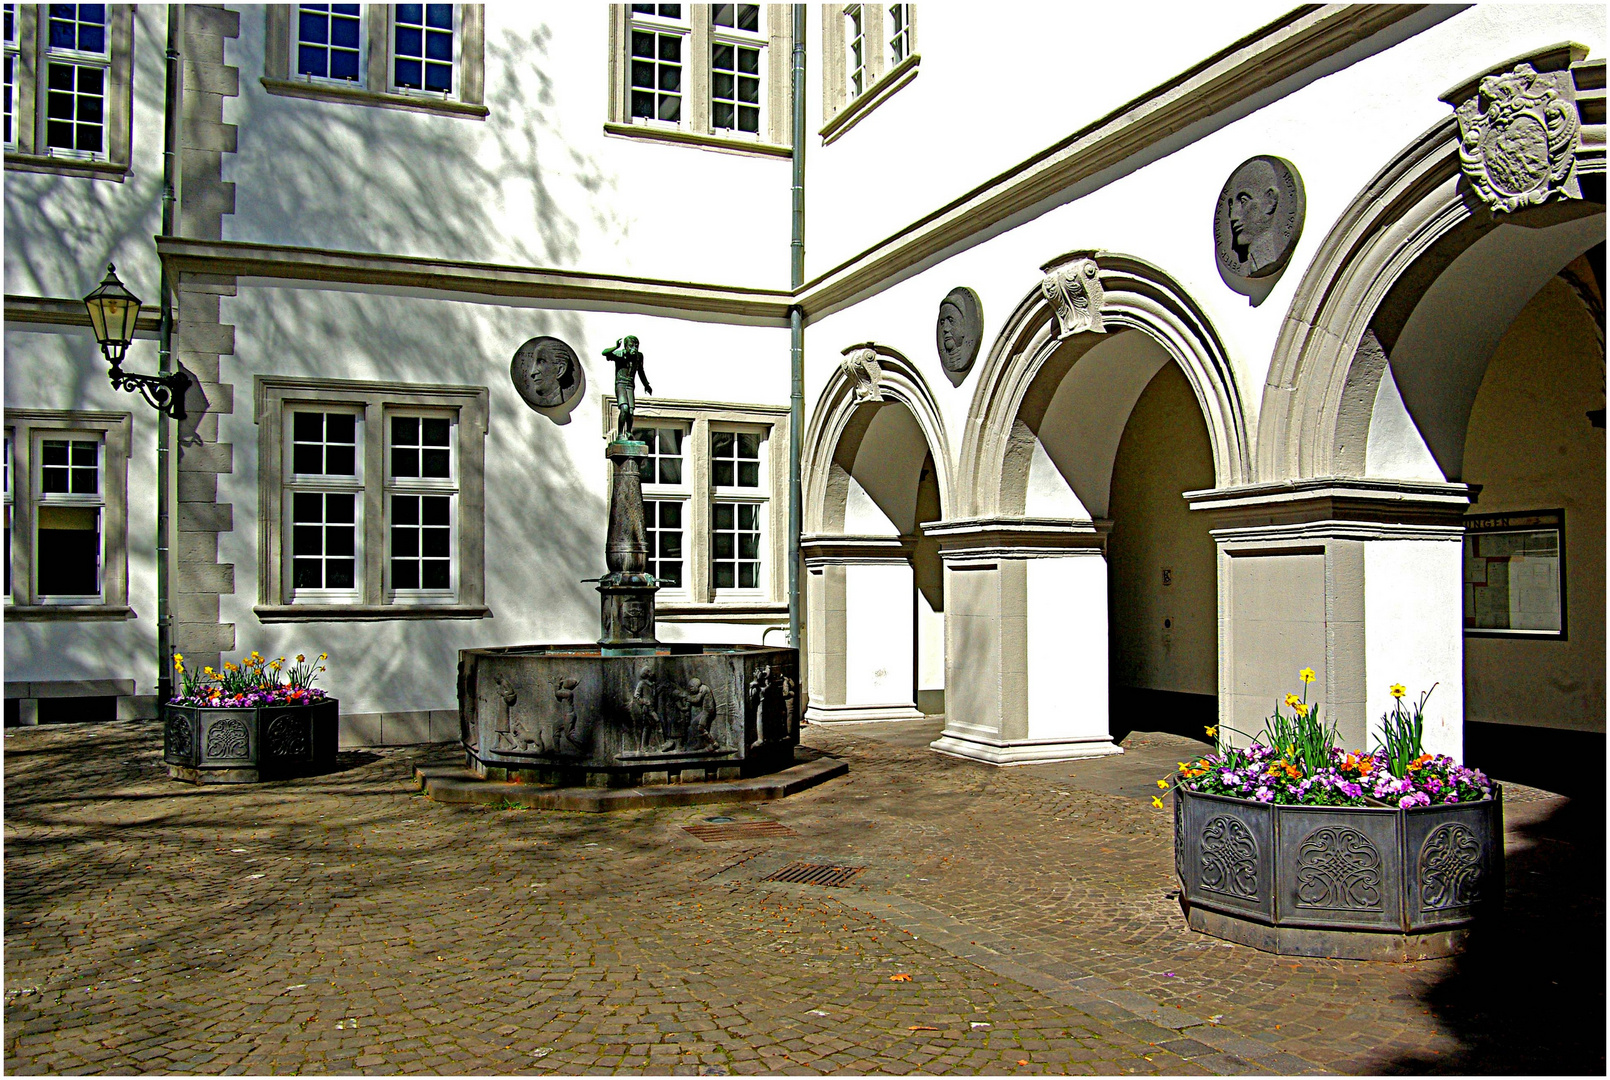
point(996, 921)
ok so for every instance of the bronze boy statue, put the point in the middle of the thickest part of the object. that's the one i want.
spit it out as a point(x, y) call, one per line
point(628, 369)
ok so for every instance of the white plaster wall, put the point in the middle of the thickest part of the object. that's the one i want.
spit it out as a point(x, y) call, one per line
point(930, 646)
point(546, 483)
point(537, 183)
point(973, 648)
point(1339, 131)
point(1067, 646)
point(878, 634)
point(62, 368)
point(61, 231)
point(887, 465)
point(1276, 605)
point(1395, 449)
point(1412, 635)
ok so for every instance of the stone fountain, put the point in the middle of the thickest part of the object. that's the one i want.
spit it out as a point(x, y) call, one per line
point(628, 711)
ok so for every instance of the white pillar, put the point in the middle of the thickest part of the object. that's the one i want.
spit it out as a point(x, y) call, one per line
point(863, 643)
point(1026, 675)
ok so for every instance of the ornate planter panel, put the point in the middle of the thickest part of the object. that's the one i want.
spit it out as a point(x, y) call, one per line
point(1227, 855)
point(243, 745)
point(1339, 866)
point(1454, 864)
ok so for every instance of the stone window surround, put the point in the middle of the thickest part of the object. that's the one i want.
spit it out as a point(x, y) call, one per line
point(469, 59)
point(695, 129)
point(115, 429)
point(30, 154)
point(696, 601)
point(273, 394)
point(839, 111)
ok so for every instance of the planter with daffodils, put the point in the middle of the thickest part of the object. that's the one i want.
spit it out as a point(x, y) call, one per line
point(1293, 845)
point(257, 720)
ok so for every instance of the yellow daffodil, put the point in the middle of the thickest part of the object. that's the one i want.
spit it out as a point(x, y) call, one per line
point(207, 670)
point(1293, 700)
point(300, 658)
point(1212, 730)
point(1306, 674)
point(1398, 690)
point(1156, 802)
point(324, 656)
point(1163, 784)
point(1302, 709)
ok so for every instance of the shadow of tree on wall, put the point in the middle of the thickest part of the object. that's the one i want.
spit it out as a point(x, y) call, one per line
point(1528, 996)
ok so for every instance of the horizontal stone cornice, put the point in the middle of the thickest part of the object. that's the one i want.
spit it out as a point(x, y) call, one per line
point(822, 548)
point(483, 282)
point(63, 311)
point(1330, 499)
point(1018, 537)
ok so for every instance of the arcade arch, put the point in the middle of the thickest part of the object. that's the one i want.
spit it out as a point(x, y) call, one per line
point(876, 470)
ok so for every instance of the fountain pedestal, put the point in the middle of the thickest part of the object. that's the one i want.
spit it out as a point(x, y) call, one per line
point(626, 592)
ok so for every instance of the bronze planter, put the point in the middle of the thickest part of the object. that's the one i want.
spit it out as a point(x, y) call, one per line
point(242, 746)
point(1361, 883)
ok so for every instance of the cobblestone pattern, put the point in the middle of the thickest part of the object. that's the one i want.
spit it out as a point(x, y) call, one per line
point(340, 924)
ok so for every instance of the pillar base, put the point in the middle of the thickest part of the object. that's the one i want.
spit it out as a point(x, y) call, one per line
point(860, 714)
point(1024, 751)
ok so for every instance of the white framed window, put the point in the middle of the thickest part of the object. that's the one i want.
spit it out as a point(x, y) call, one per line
point(667, 495)
point(659, 39)
point(424, 48)
point(855, 58)
point(898, 25)
point(374, 500)
point(330, 43)
point(707, 75)
point(738, 503)
point(66, 494)
point(737, 53)
point(870, 52)
point(712, 496)
point(421, 508)
point(13, 62)
point(77, 68)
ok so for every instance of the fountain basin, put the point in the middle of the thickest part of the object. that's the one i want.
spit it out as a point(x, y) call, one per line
point(571, 715)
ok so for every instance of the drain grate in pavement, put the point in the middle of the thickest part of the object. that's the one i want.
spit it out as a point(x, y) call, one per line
point(738, 830)
point(804, 873)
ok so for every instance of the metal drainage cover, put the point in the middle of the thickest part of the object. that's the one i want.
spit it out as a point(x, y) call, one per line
point(739, 830)
point(804, 873)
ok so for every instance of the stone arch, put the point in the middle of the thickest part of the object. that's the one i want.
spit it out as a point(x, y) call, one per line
point(1122, 293)
point(839, 423)
point(1407, 228)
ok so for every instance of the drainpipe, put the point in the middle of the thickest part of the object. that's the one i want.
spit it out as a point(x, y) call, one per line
point(170, 139)
point(796, 333)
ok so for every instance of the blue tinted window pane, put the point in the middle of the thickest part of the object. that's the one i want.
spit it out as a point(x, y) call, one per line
point(313, 29)
point(345, 9)
point(92, 38)
point(439, 47)
point(409, 41)
point(310, 61)
point(344, 65)
point(408, 73)
point(439, 16)
point(91, 13)
point(410, 13)
point(438, 78)
point(344, 33)
point(61, 34)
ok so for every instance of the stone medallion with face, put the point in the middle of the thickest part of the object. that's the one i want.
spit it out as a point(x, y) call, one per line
point(1259, 217)
point(958, 330)
point(544, 371)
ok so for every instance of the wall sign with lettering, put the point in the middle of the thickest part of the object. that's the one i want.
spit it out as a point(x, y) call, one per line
point(1515, 574)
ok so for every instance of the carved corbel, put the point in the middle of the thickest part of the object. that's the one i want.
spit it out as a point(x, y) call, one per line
point(860, 365)
point(1075, 291)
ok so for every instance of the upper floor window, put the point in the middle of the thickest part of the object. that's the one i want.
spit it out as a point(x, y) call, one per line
point(420, 57)
point(706, 74)
point(329, 41)
point(871, 52)
point(68, 88)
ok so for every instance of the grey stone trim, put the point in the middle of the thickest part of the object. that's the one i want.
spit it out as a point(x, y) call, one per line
point(353, 96)
point(398, 728)
point(273, 613)
point(1018, 538)
point(839, 111)
point(1364, 503)
point(62, 311)
point(116, 429)
point(699, 139)
point(897, 78)
point(487, 282)
point(67, 688)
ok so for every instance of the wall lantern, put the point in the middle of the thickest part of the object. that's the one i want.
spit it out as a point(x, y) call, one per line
point(113, 311)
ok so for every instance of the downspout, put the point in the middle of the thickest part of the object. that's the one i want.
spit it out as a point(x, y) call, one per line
point(796, 333)
point(170, 139)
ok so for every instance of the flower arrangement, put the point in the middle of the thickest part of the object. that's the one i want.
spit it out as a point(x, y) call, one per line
point(1295, 761)
point(253, 682)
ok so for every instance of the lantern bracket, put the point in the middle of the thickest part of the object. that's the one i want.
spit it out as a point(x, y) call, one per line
point(164, 393)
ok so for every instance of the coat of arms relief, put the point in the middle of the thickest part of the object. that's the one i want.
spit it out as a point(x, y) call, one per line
point(1518, 138)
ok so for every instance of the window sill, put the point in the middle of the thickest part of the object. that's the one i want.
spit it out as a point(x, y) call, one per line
point(747, 611)
point(699, 139)
point(69, 613)
point(876, 94)
point(116, 171)
point(356, 96)
point(287, 613)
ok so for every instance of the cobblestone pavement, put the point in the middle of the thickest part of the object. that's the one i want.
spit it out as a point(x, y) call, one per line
point(1002, 921)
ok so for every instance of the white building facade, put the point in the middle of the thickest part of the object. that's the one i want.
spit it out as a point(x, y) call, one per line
point(1155, 494)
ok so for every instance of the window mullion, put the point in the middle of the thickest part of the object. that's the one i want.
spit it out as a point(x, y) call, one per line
point(877, 45)
point(697, 70)
point(374, 502)
point(696, 536)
